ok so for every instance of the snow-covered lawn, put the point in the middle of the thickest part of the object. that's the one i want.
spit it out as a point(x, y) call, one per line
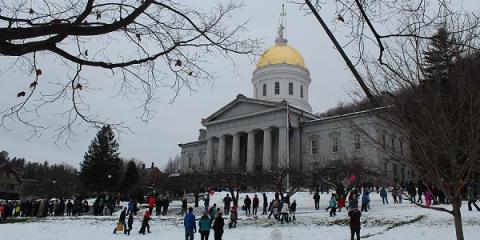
point(392, 221)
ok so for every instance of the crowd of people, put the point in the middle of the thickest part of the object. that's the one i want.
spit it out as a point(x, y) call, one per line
point(214, 217)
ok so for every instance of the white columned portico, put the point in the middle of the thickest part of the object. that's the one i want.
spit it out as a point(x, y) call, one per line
point(221, 153)
point(251, 151)
point(209, 154)
point(267, 149)
point(236, 151)
point(282, 147)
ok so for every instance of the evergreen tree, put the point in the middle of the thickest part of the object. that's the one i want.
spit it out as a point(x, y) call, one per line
point(130, 178)
point(100, 168)
point(440, 59)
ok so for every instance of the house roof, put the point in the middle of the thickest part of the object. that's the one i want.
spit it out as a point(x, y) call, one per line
point(10, 169)
point(271, 104)
point(347, 115)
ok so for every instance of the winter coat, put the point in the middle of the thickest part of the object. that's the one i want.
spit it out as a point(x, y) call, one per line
point(189, 222)
point(123, 215)
point(206, 201)
point(218, 224)
point(333, 202)
point(293, 207)
point(227, 201)
point(247, 202)
point(285, 208)
point(470, 194)
point(234, 214)
point(428, 196)
point(341, 202)
point(365, 199)
point(151, 201)
point(265, 201)
point(354, 215)
point(316, 197)
point(184, 203)
point(204, 224)
point(383, 193)
point(130, 220)
point(255, 202)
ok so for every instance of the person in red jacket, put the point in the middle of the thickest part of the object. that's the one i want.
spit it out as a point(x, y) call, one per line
point(151, 203)
point(341, 203)
point(255, 204)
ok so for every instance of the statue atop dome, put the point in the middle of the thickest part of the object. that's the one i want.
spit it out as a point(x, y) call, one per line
point(281, 40)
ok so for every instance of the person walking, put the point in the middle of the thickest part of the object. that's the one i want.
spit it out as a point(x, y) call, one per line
point(129, 223)
point(184, 207)
point(354, 215)
point(151, 203)
point(189, 224)
point(340, 203)
point(255, 204)
point(204, 225)
point(218, 224)
point(332, 204)
point(284, 211)
point(165, 205)
point(365, 201)
point(265, 204)
point(428, 198)
point(316, 200)
point(471, 199)
point(121, 220)
point(226, 204)
point(293, 209)
point(383, 194)
point(145, 225)
point(206, 202)
point(233, 218)
point(247, 203)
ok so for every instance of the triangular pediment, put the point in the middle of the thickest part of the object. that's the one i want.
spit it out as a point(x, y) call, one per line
point(241, 106)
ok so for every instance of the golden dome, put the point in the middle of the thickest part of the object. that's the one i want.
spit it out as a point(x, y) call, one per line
point(281, 54)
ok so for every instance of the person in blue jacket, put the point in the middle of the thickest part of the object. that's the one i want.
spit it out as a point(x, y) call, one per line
point(189, 223)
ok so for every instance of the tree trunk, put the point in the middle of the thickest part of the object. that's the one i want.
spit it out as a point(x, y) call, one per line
point(196, 199)
point(457, 217)
point(234, 198)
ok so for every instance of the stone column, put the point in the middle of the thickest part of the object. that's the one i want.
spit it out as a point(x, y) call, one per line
point(209, 154)
point(267, 149)
point(282, 147)
point(221, 153)
point(236, 151)
point(251, 151)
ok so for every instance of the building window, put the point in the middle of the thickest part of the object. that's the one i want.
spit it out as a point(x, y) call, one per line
point(201, 156)
point(314, 146)
point(264, 90)
point(384, 139)
point(356, 142)
point(290, 88)
point(335, 143)
point(277, 88)
point(301, 91)
point(401, 147)
point(190, 162)
point(393, 144)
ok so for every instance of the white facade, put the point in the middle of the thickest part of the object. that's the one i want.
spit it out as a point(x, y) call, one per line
point(278, 82)
point(276, 130)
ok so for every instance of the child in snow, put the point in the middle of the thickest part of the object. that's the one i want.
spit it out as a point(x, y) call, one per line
point(341, 203)
point(145, 225)
point(354, 215)
point(129, 223)
point(233, 218)
point(332, 204)
point(365, 201)
point(284, 212)
point(428, 198)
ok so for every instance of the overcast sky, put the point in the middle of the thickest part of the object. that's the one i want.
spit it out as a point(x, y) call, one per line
point(179, 122)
